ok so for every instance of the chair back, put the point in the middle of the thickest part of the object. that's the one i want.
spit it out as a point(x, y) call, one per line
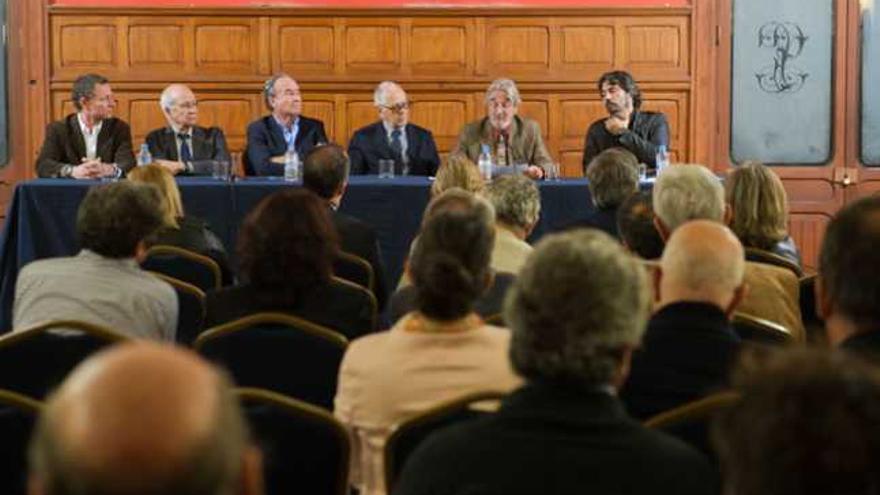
point(764, 256)
point(185, 265)
point(814, 326)
point(190, 309)
point(409, 434)
point(354, 269)
point(690, 422)
point(305, 449)
point(278, 352)
point(760, 331)
point(496, 319)
point(35, 360)
point(18, 416)
point(374, 304)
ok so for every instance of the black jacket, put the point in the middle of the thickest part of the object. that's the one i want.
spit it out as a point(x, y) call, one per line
point(265, 139)
point(195, 235)
point(359, 239)
point(65, 145)
point(647, 130)
point(370, 144)
point(207, 145)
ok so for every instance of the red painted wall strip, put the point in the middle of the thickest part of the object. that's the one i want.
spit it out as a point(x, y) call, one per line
point(373, 3)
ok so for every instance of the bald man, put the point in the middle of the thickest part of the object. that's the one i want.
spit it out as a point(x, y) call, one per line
point(182, 147)
point(143, 419)
point(689, 344)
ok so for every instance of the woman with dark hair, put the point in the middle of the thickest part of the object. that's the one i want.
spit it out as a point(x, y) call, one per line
point(286, 248)
point(438, 352)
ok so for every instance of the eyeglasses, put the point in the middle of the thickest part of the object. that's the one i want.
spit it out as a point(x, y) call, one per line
point(398, 108)
point(188, 104)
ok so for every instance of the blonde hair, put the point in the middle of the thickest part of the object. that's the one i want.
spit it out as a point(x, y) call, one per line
point(172, 206)
point(759, 203)
point(460, 172)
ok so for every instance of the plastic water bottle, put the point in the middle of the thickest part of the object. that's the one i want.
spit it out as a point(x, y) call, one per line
point(291, 165)
point(662, 159)
point(144, 157)
point(484, 162)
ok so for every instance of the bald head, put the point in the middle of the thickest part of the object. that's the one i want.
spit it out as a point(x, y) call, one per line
point(703, 262)
point(141, 419)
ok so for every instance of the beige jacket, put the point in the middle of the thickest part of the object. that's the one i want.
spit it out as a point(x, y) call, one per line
point(526, 145)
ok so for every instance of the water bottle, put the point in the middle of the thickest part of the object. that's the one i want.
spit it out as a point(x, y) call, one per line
point(484, 162)
point(501, 152)
point(662, 159)
point(291, 165)
point(144, 157)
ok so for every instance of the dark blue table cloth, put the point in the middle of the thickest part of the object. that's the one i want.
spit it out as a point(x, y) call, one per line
point(41, 220)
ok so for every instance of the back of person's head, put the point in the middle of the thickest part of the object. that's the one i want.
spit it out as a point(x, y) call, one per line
point(450, 262)
point(635, 222)
point(172, 205)
point(516, 200)
point(325, 170)
point(459, 200)
point(687, 192)
point(613, 176)
point(703, 262)
point(578, 306)
point(143, 419)
point(849, 264)
point(114, 218)
point(808, 423)
point(758, 203)
point(287, 244)
point(460, 172)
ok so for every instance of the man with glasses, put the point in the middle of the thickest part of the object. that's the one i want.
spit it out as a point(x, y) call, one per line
point(393, 138)
point(182, 147)
point(90, 143)
point(269, 138)
point(513, 140)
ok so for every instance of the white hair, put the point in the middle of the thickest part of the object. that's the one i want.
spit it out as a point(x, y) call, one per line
point(381, 92)
point(507, 86)
point(166, 99)
point(688, 192)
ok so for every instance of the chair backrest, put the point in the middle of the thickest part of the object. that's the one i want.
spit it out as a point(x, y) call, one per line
point(18, 416)
point(35, 360)
point(761, 331)
point(690, 422)
point(374, 304)
point(814, 326)
point(278, 352)
point(497, 319)
point(409, 434)
point(354, 269)
point(185, 265)
point(305, 449)
point(764, 256)
point(190, 309)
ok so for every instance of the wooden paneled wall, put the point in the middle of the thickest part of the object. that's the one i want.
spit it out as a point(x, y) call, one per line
point(444, 59)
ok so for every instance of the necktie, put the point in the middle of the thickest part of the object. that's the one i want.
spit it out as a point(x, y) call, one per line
point(396, 145)
point(185, 152)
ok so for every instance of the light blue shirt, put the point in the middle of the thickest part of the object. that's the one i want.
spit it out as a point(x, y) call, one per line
point(290, 133)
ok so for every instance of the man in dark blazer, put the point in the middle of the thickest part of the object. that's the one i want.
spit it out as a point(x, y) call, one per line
point(325, 173)
point(269, 137)
point(689, 346)
point(182, 147)
point(393, 138)
point(90, 143)
point(565, 431)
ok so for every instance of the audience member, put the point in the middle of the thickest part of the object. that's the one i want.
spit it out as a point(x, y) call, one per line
point(689, 346)
point(808, 423)
point(90, 143)
point(458, 171)
point(514, 140)
point(393, 137)
point(143, 419)
point(691, 192)
point(848, 286)
point(517, 204)
point(325, 173)
point(270, 137)
point(180, 230)
point(576, 312)
point(613, 177)
point(760, 209)
point(103, 284)
point(182, 147)
point(635, 223)
point(437, 352)
point(286, 265)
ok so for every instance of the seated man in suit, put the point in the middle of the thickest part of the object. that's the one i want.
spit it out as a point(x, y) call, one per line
point(576, 312)
point(182, 147)
point(689, 346)
point(514, 140)
point(143, 419)
point(393, 138)
point(325, 173)
point(269, 138)
point(626, 125)
point(90, 143)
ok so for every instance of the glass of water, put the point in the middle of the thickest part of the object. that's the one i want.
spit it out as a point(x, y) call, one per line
point(386, 169)
point(220, 169)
